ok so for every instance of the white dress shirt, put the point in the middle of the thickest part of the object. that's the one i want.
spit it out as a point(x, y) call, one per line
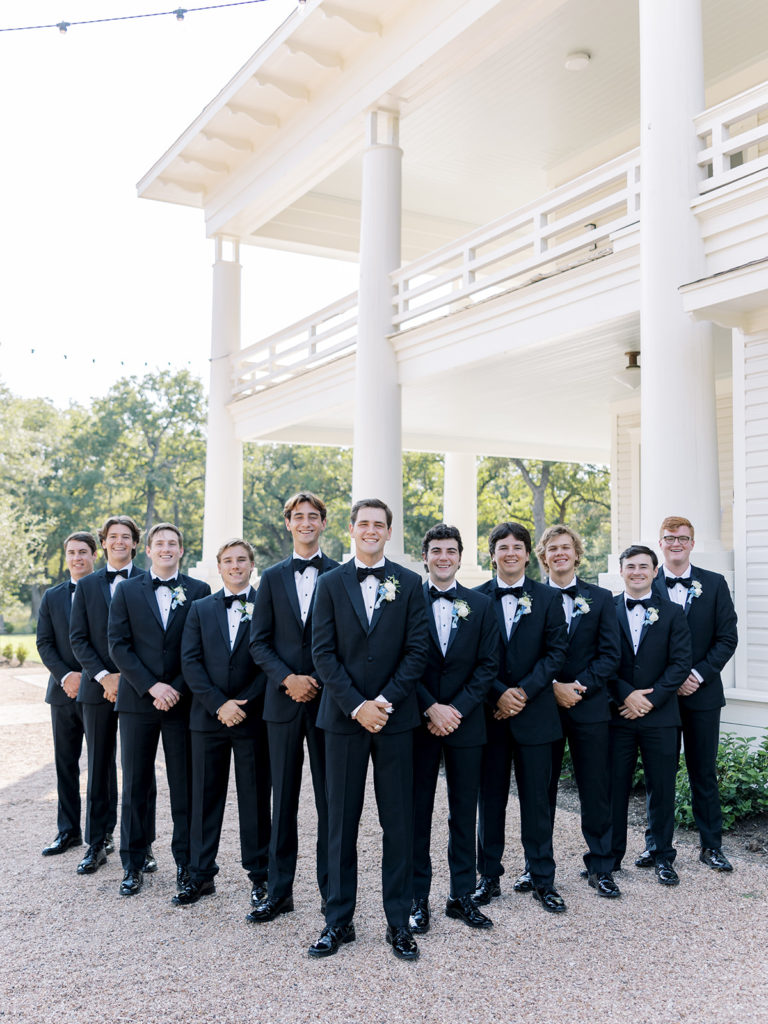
point(163, 596)
point(442, 609)
point(678, 593)
point(567, 600)
point(234, 615)
point(369, 589)
point(636, 618)
point(305, 584)
point(509, 602)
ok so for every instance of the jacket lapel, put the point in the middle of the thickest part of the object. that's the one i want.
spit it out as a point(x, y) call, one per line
point(378, 612)
point(149, 596)
point(518, 617)
point(431, 619)
point(104, 587)
point(349, 579)
point(220, 613)
point(621, 615)
point(289, 584)
point(576, 619)
point(244, 628)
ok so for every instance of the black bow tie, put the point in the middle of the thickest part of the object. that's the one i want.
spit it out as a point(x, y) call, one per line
point(684, 581)
point(449, 595)
point(365, 572)
point(300, 564)
point(509, 592)
point(72, 586)
point(230, 599)
point(632, 602)
point(171, 583)
point(570, 591)
point(112, 575)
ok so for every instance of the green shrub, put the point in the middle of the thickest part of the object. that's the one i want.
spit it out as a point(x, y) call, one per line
point(742, 776)
point(21, 654)
point(7, 651)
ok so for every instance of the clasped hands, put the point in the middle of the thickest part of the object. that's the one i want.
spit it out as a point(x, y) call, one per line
point(164, 696)
point(568, 695)
point(302, 689)
point(231, 713)
point(636, 705)
point(510, 703)
point(372, 715)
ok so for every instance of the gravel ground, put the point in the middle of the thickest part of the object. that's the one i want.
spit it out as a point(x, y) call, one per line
point(73, 951)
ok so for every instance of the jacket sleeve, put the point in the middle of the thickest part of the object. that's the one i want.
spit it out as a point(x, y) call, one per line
point(486, 666)
point(46, 644)
point(120, 635)
point(193, 662)
point(324, 651)
point(262, 633)
point(80, 636)
point(724, 638)
point(604, 665)
point(555, 640)
point(414, 652)
point(678, 659)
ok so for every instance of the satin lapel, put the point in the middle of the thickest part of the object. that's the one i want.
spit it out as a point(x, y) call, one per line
point(646, 628)
point(289, 584)
point(173, 615)
point(378, 612)
point(499, 610)
point(454, 632)
point(244, 628)
point(690, 599)
point(431, 619)
point(621, 615)
point(149, 597)
point(660, 587)
point(221, 615)
point(576, 619)
point(349, 579)
point(515, 625)
point(66, 604)
point(104, 587)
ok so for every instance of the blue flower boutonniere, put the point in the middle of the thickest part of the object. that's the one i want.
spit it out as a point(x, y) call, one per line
point(460, 610)
point(177, 597)
point(524, 605)
point(246, 611)
point(387, 590)
point(581, 606)
point(695, 590)
point(651, 616)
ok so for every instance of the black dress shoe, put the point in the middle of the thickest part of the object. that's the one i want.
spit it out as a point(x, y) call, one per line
point(109, 843)
point(524, 883)
point(192, 892)
point(665, 873)
point(259, 893)
point(94, 857)
point(645, 860)
point(419, 919)
point(714, 858)
point(488, 888)
point(182, 877)
point(62, 842)
point(330, 940)
point(550, 899)
point(131, 883)
point(402, 942)
point(605, 886)
point(150, 864)
point(270, 908)
point(465, 910)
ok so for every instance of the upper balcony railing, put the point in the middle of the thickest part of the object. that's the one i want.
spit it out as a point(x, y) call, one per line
point(734, 138)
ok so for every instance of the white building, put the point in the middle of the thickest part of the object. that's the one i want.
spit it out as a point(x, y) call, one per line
point(533, 189)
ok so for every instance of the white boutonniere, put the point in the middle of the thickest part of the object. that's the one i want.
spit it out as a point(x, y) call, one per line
point(695, 590)
point(387, 590)
point(177, 597)
point(651, 616)
point(523, 607)
point(581, 606)
point(246, 611)
point(460, 610)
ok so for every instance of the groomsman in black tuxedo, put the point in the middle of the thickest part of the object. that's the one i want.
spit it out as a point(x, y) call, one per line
point(521, 716)
point(55, 650)
point(369, 640)
point(581, 692)
point(119, 538)
point(281, 644)
point(226, 722)
point(146, 620)
point(461, 667)
point(655, 662)
point(711, 617)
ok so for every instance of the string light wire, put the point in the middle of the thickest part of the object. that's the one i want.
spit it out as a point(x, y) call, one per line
point(177, 13)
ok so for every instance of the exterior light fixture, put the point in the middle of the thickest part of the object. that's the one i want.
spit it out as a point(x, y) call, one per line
point(630, 375)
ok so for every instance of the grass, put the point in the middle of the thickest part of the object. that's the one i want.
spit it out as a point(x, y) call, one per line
point(25, 640)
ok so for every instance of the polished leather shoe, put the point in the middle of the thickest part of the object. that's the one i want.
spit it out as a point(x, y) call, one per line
point(131, 883)
point(605, 886)
point(94, 857)
point(182, 877)
point(488, 888)
point(665, 873)
point(259, 893)
point(330, 940)
point(270, 908)
point(402, 942)
point(645, 860)
point(550, 899)
point(418, 921)
point(524, 883)
point(464, 909)
point(150, 864)
point(62, 842)
point(192, 892)
point(109, 843)
point(714, 858)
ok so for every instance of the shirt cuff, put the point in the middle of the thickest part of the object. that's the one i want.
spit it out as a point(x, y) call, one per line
point(100, 675)
point(698, 675)
point(354, 713)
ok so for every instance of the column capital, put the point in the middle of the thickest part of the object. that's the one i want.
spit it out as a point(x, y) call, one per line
point(382, 127)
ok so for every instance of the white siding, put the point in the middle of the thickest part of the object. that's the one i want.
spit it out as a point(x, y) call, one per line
point(725, 460)
point(755, 627)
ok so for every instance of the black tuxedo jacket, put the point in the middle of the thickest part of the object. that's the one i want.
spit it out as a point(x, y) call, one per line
point(143, 651)
point(531, 658)
point(593, 653)
point(214, 672)
point(53, 643)
point(711, 620)
point(280, 643)
point(662, 662)
point(357, 661)
point(464, 675)
point(88, 632)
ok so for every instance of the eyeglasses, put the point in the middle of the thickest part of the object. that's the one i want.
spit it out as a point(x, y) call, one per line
point(679, 540)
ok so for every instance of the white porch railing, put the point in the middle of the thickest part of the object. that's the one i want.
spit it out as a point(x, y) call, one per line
point(568, 226)
point(734, 138)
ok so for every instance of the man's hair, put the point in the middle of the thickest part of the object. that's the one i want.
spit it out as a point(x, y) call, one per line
point(154, 530)
point(298, 498)
point(371, 503)
point(638, 549)
point(121, 521)
point(440, 531)
point(84, 538)
point(236, 542)
point(559, 530)
point(516, 530)
point(675, 523)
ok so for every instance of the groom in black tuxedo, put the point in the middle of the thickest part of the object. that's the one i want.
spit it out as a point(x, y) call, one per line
point(281, 644)
point(369, 641)
point(461, 667)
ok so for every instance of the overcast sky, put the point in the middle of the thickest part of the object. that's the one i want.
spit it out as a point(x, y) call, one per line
point(95, 283)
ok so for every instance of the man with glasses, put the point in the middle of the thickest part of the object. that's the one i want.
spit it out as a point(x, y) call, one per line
point(711, 618)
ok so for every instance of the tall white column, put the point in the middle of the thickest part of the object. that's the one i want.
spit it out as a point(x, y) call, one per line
point(460, 509)
point(223, 515)
point(679, 470)
point(377, 459)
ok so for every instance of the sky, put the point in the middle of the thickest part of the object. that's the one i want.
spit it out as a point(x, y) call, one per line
point(96, 284)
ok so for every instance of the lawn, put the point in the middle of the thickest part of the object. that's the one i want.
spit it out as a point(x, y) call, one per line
point(16, 640)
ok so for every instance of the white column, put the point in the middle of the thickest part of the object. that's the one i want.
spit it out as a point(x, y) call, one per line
point(377, 460)
point(223, 516)
point(679, 470)
point(460, 509)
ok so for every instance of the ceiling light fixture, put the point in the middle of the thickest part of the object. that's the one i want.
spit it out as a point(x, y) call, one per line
point(577, 61)
point(630, 375)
